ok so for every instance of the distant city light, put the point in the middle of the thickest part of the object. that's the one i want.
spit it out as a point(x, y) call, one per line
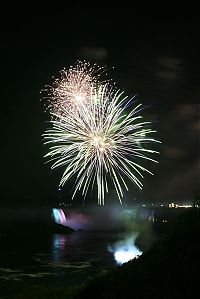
point(174, 205)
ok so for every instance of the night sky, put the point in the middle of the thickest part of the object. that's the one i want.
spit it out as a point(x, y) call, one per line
point(156, 58)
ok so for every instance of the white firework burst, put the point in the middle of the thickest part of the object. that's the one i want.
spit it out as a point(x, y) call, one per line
point(72, 91)
point(101, 142)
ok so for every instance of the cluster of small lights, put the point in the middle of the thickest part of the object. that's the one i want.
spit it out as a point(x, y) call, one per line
point(94, 136)
point(174, 205)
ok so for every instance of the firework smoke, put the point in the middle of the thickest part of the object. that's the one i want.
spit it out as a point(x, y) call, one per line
point(94, 135)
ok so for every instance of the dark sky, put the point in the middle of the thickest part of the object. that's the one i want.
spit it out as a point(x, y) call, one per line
point(155, 57)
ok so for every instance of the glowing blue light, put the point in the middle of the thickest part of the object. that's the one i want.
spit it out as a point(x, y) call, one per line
point(125, 255)
point(59, 216)
point(125, 249)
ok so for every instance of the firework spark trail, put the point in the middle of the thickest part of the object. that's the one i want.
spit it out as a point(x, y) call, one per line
point(99, 141)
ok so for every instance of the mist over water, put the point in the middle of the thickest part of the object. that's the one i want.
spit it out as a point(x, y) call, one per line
point(104, 237)
point(125, 248)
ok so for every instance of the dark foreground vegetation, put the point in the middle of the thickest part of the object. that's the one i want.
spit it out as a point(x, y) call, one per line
point(169, 270)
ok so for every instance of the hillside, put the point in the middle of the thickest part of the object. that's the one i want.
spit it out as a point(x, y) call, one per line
point(170, 269)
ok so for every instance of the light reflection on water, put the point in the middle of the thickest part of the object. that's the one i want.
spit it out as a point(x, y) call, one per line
point(58, 260)
point(43, 259)
point(59, 243)
point(55, 260)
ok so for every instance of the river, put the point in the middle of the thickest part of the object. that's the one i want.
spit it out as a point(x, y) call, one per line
point(32, 260)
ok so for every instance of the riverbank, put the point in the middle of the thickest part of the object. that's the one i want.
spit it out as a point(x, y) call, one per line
point(170, 269)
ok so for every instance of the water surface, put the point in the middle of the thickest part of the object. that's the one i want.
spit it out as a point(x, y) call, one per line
point(53, 260)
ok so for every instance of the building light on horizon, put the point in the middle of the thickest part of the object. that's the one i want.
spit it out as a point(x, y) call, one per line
point(173, 205)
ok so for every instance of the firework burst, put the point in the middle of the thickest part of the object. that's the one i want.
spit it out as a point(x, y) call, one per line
point(72, 91)
point(99, 140)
